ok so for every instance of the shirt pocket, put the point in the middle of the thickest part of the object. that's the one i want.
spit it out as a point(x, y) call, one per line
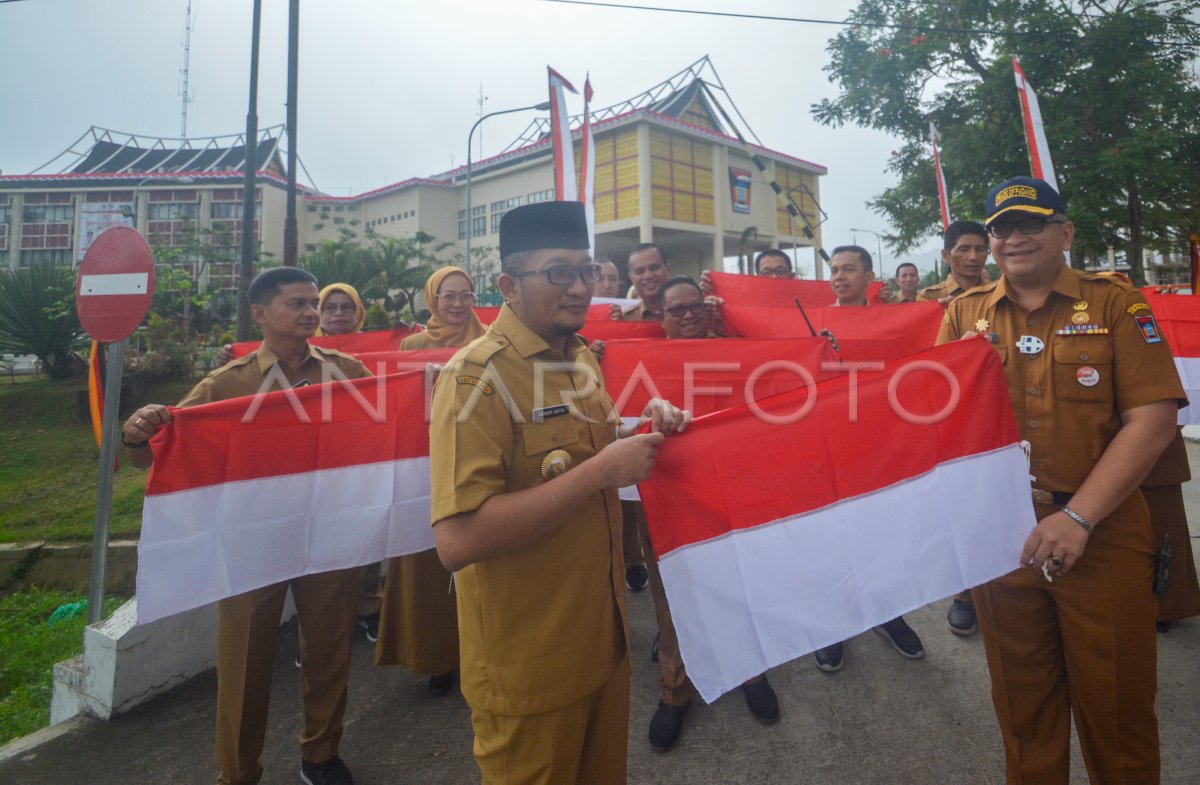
point(1083, 369)
point(542, 437)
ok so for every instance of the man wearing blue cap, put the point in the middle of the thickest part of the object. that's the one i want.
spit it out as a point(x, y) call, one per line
point(1095, 392)
point(525, 465)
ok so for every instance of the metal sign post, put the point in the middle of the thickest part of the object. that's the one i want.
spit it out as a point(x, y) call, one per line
point(112, 295)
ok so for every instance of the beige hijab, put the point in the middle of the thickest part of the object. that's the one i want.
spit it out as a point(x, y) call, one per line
point(436, 330)
point(360, 313)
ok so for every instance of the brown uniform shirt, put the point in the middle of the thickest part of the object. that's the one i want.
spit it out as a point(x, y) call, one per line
point(250, 374)
point(544, 626)
point(1068, 397)
point(642, 313)
point(947, 288)
point(419, 340)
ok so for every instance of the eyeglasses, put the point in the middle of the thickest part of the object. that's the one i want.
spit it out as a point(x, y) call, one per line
point(336, 308)
point(1027, 226)
point(565, 274)
point(450, 298)
point(695, 309)
point(775, 272)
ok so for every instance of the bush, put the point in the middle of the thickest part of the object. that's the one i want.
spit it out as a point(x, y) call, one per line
point(37, 316)
point(377, 318)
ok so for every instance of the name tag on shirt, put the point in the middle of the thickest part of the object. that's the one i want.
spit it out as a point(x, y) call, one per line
point(548, 412)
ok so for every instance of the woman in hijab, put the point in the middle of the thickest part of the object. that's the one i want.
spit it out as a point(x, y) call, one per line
point(341, 310)
point(419, 625)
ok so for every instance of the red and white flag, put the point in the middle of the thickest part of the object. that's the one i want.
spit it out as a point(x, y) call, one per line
point(1176, 320)
point(834, 509)
point(1194, 262)
point(252, 491)
point(587, 166)
point(560, 132)
point(943, 200)
point(1035, 134)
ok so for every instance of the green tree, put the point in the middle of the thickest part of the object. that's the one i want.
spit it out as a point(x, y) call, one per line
point(37, 316)
point(1118, 101)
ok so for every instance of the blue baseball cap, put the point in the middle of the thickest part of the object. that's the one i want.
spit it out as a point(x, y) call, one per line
point(1022, 194)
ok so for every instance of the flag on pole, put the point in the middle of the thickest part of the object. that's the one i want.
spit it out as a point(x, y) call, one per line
point(587, 166)
point(796, 527)
point(1178, 322)
point(1035, 134)
point(943, 199)
point(560, 130)
point(1194, 255)
point(96, 389)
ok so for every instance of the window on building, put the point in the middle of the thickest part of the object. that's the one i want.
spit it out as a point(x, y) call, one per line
point(479, 221)
point(353, 208)
point(60, 256)
point(226, 214)
point(339, 209)
point(462, 224)
point(312, 208)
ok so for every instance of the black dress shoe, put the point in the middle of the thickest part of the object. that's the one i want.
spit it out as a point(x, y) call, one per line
point(665, 726)
point(1162, 625)
point(902, 637)
point(761, 699)
point(440, 683)
point(636, 577)
point(331, 772)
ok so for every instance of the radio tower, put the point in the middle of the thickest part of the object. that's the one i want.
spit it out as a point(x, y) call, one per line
point(183, 90)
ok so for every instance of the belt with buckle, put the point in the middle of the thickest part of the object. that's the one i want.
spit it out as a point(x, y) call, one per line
point(1057, 498)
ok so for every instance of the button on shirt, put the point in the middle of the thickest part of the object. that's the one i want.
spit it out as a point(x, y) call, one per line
point(543, 626)
point(1068, 398)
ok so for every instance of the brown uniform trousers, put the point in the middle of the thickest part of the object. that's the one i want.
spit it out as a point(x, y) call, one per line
point(631, 537)
point(543, 634)
point(1083, 645)
point(418, 625)
point(1163, 489)
point(248, 624)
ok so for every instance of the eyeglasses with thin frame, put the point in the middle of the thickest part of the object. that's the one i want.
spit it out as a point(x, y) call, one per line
point(696, 309)
point(1034, 224)
point(565, 274)
point(339, 308)
point(450, 298)
point(775, 272)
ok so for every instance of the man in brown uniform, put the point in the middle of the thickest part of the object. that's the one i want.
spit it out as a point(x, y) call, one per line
point(283, 301)
point(1095, 393)
point(648, 271)
point(965, 250)
point(525, 465)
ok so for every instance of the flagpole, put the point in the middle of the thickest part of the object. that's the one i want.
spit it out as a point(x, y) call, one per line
point(112, 397)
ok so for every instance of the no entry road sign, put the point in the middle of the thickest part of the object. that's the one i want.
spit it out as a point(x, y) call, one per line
point(116, 282)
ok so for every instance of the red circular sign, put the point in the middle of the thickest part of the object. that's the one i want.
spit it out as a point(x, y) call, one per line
point(115, 284)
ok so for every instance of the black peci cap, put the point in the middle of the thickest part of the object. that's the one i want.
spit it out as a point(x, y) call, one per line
point(544, 225)
point(1022, 194)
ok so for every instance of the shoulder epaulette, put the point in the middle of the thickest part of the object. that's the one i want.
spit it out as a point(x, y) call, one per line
point(333, 353)
point(239, 362)
point(479, 352)
point(984, 289)
point(1116, 279)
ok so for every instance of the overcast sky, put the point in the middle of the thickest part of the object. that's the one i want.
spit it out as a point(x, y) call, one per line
point(389, 88)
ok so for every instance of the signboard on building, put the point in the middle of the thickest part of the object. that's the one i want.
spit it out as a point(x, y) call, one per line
point(739, 189)
point(95, 217)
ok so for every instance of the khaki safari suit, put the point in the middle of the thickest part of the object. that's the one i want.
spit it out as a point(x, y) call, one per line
point(544, 641)
point(1084, 644)
point(248, 624)
point(947, 288)
point(1163, 489)
point(418, 624)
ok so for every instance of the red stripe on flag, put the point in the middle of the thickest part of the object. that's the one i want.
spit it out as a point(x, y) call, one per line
point(774, 292)
point(1035, 158)
point(309, 429)
point(854, 440)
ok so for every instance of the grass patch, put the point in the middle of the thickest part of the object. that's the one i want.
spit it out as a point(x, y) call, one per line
point(31, 648)
point(48, 463)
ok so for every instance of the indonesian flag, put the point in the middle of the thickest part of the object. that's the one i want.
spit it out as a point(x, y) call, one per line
point(96, 389)
point(943, 201)
point(252, 491)
point(560, 131)
point(779, 293)
point(1035, 134)
point(1194, 257)
point(351, 343)
point(587, 165)
point(1178, 320)
point(907, 328)
point(836, 507)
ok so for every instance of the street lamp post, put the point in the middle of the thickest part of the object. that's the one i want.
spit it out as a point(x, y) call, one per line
point(878, 247)
point(542, 107)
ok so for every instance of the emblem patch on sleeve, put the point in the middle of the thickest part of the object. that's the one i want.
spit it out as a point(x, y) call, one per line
point(475, 381)
point(1133, 309)
point(1149, 327)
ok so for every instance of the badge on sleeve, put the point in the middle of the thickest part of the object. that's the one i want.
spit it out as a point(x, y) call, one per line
point(1149, 327)
point(1030, 344)
point(1131, 310)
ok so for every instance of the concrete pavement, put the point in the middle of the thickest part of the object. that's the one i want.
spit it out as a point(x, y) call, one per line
point(882, 719)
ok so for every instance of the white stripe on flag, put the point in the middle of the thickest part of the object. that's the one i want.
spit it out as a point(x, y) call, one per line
point(1189, 376)
point(255, 533)
point(114, 283)
point(755, 598)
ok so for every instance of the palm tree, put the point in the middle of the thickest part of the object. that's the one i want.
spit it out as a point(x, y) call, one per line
point(37, 316)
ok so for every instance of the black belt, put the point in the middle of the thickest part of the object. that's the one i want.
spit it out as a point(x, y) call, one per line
point(1057, 498)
